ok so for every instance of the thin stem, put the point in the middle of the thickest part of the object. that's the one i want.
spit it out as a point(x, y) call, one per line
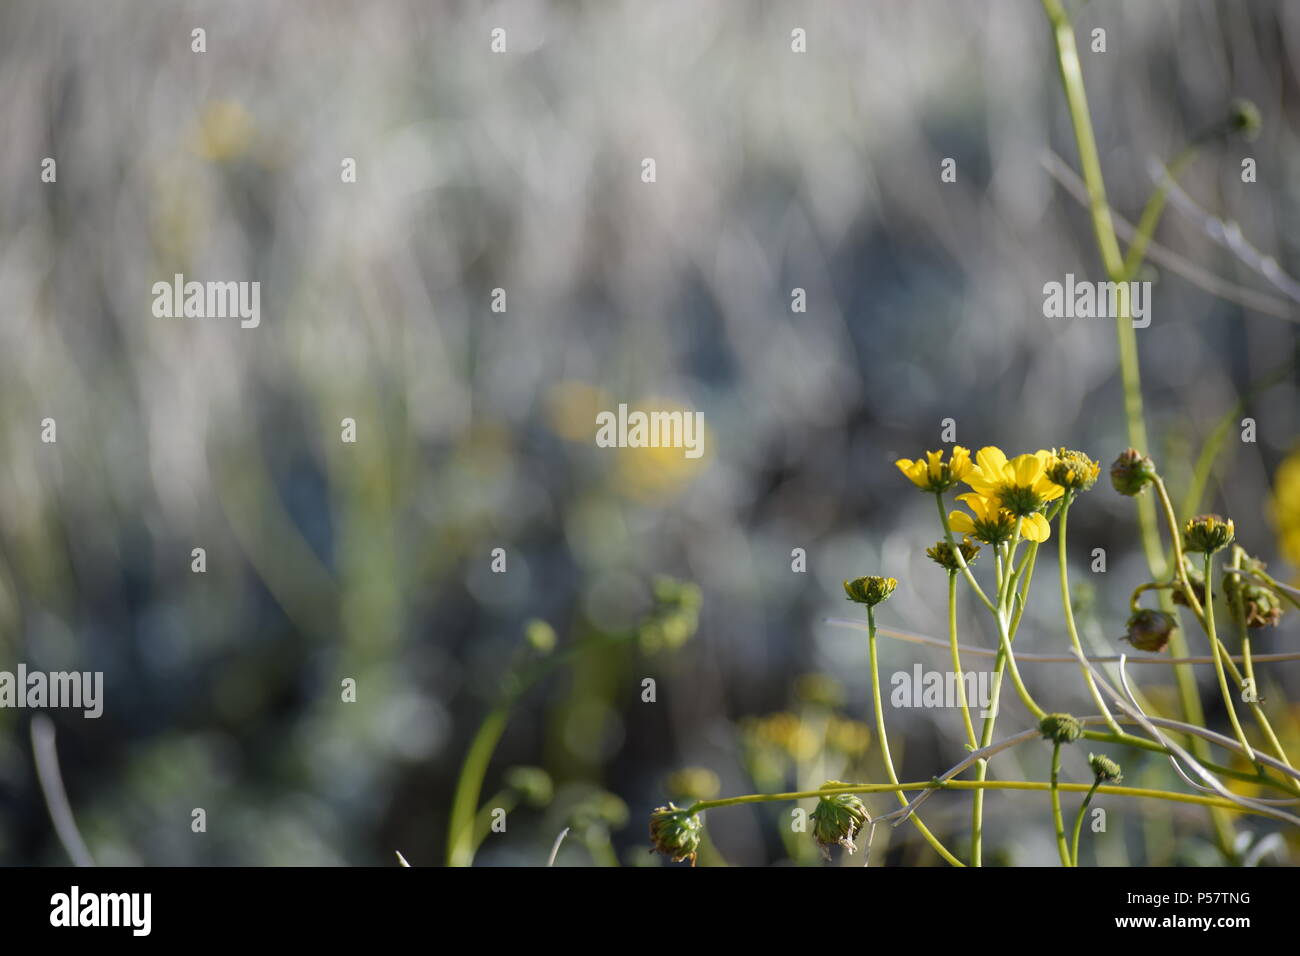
point(960, 558)
point(956, 659)
point(978, 787)
point(1218, 661)
point(1056, 804)
point(1078, 821)
point(1069, 615)
point(884, 739)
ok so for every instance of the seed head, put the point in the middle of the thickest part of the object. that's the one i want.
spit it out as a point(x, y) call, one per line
point(1149, 630)
point(1104, 769)
point(1073, 470)
point(675, 833)
point(837, 819)
point(1061, 728)
point(1131, 472)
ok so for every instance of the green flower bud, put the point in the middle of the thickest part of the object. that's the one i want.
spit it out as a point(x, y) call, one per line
point(1061, 728)
point(533, 784)
point(871, 590)
point(540, 636)
point(675, 833)
point(1149, 630)
point(1104, 769)
point(1073, 470)
point(1131, 472)
point(1208, 533)
point(694, 783)
point(837, 819)
point(943, 555)
point(1244, 118)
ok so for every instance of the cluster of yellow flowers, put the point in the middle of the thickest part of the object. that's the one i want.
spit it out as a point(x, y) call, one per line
point(1008, 494)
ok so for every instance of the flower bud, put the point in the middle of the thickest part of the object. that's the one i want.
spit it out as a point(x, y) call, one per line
point(870, 590)
point(675, 833)
point(1208, 533)
point(1104, 769)
point(1061, 728)
point(943, 554)
point(1073, 470)
point(540, 636)
point(837, 819)
point(1149, 630)
point(1131, 472)
point(533, 784)
point(1244, 118)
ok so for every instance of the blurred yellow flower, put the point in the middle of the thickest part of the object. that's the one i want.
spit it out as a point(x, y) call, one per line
point(224, 132)
point(1286, 507)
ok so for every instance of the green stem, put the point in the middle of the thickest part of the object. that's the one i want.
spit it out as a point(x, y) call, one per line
point(976, 785)
point(1069, 617)
point(884, 740)
point(1078, 821)
point(460, 831)
point(1218, 660)
point(960, 558)
point(956, 659)
point(1057, 821)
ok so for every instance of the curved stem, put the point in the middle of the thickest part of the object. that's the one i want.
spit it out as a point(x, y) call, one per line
point(884, 740)
point(1078, 821)
point(1069, 616)
point(1218, 660)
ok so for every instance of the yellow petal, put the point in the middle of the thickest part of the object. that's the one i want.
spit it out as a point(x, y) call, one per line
point(991, 461)
point(1035, 528)
point(961, 522)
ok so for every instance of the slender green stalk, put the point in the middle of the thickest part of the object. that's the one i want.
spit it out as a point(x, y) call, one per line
point(1078, 821)
point(884, 740)
point(1057, 821)
point(460, 830)
point(961, 559)
point(956, 659)
point(1218, 659)
point(978, 786)
point(1069, 616)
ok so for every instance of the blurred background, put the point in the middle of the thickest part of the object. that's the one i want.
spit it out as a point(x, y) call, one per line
point(522, 170)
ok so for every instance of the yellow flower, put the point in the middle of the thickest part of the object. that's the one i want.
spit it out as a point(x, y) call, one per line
point(932, 473)
point(1019, 485)
point(993, 524)
point(1285, 508)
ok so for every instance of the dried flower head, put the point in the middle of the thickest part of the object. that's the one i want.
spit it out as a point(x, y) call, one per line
point(675, 833)
point(1150, 630)
point(837, 819)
